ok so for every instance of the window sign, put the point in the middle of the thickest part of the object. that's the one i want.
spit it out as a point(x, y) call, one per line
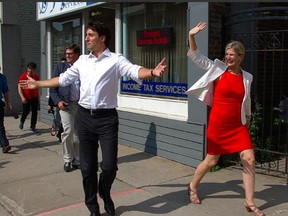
point(150, 32)
point(157, 36)
point(51, 9)
point(155, 88)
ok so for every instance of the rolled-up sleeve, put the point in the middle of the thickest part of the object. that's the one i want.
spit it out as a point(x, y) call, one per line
point(126, 68)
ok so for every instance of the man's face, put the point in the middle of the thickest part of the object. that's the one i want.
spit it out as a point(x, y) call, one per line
point(93, 41)
point(31, 70)
point(71, 57)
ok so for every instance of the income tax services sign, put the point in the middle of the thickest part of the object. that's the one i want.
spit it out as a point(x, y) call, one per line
point(155, 88)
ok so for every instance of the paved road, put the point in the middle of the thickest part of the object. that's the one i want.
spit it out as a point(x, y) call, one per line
point(33, 182)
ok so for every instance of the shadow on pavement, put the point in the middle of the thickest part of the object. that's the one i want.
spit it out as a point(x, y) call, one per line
point(273, 195)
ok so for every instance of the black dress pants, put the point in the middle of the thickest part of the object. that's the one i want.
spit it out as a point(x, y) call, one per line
point(32, 104)
point(99, 127)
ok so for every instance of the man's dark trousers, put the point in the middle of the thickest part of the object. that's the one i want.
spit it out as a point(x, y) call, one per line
point(101, 125)
point(33, 104)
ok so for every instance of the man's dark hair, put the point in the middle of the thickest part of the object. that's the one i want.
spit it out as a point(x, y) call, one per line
point(31, 65)
point(101, 29)
point(75, 48)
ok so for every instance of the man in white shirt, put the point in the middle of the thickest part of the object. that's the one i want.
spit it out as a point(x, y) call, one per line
point(97, 117)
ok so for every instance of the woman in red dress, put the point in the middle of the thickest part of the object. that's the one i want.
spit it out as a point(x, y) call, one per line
point(226, 88)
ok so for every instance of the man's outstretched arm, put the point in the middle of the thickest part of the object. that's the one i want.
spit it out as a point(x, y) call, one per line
point(33, 84)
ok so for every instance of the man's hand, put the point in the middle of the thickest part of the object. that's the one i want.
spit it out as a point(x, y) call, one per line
point(62, 105)
point(28, 84)
point(8, 107)
point(160, 69)
point(24, 101)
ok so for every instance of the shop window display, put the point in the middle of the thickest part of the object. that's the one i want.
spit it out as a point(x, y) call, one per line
point(152, 31)
point(64, 33)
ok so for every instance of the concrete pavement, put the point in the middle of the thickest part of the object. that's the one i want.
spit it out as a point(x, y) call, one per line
point(33, 182)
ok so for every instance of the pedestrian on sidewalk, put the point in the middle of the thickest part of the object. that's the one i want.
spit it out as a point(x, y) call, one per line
point(4, 93)
point(66, 98)
point(30, 98)
point(226, 88)
point(97, 117)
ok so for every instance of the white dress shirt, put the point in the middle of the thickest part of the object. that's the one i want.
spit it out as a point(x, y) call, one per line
point(99, 78)
point(74, 90)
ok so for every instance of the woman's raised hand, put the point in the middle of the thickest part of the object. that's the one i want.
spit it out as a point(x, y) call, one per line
point(199, 27)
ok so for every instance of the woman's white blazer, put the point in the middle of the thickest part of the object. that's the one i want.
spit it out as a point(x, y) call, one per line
point(203, 88)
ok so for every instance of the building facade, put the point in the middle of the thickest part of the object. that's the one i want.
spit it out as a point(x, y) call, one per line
point(158, 117)
point(154, 116)
point(19, 43)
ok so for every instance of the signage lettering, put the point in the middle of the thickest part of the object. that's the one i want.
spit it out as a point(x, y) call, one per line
point(155, 88)
point(159, 36)
point(51, 9)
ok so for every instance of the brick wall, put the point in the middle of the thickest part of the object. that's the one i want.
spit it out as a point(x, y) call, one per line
point(20, 43)
point(30, 34)
point(216, 38)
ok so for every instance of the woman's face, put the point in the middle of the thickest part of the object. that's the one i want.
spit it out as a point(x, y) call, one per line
point(232, 59)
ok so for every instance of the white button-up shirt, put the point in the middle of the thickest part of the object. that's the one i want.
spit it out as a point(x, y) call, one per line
point(74, 90)
point(99, 78)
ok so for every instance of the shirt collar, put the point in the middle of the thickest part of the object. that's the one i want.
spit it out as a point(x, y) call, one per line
point(106, 53)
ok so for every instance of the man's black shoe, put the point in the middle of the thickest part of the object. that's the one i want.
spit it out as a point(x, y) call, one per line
point(6, 149)
point(76, 166)
point(67, 166)
point(108, 204)
point(95, 214)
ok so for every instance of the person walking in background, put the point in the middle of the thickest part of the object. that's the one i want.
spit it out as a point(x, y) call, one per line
point(30, 98)
point(226, 88)
point(4, 93)
point(97, 117)
point(66, 98)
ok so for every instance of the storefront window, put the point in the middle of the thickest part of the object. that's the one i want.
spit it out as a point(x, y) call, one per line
point(152, 31)
point(64, 33)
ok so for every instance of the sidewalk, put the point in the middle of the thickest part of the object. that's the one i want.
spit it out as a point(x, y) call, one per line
point(33, 182)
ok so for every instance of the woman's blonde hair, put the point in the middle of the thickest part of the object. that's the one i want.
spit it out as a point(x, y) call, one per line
point(238, 47)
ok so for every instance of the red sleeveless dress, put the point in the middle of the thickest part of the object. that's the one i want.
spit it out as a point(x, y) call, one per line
point(225, 133)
